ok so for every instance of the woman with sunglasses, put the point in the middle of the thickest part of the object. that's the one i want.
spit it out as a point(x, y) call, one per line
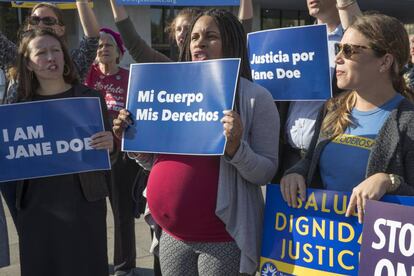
point(111, 80)
point(49, 16)
point(363, 138)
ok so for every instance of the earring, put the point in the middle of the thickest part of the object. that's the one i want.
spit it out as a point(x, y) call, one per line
point(66, 70)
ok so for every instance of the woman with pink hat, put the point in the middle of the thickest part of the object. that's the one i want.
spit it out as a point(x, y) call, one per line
point(107, 77)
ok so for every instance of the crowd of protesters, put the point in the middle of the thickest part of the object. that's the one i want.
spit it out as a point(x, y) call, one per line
point(205, 212)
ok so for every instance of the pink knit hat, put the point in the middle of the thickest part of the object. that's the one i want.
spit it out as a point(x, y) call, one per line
point(117, 38)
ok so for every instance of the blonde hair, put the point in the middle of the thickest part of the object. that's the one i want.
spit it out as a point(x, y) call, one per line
point(188, 13)
point(338, 114)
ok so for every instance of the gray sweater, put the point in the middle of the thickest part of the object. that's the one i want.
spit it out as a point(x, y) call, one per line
point(393, 151)
point(239, 197)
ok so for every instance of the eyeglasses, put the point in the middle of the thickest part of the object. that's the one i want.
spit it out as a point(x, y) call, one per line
point(47, 20)
point(348, 49)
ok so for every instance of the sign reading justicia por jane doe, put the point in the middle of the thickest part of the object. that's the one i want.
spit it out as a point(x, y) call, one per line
point(292, 63)
point(176, 107)
point(47, 138)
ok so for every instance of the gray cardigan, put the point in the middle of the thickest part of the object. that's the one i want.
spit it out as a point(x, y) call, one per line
point(393, 151)
point(239, 197)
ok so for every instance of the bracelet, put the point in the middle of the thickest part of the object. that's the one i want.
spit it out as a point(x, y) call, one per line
point(395, 182)
point(346, 5)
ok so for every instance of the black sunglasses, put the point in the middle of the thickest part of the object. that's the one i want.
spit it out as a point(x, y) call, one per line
point(47, 20)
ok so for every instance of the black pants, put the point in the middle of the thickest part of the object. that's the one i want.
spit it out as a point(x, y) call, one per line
point(124, 172)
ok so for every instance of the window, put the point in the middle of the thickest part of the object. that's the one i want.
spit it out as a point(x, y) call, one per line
point(274, 18)
point(9, 20)
point(160, 18)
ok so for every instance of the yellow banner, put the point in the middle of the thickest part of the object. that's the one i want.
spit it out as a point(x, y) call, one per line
point(269, 267)
point(63, 6)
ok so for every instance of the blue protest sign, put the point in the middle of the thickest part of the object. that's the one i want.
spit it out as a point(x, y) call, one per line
point(314, 239)
point(46, 138)
point(292, 63)
point(179, 2)
point(177, 107)
point(388, 246)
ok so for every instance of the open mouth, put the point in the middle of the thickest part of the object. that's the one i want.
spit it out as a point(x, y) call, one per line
point(199, 56)
point(339, 73)
point(52, 67)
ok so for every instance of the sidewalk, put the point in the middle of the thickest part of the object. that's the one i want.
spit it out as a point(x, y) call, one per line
point(142, 234)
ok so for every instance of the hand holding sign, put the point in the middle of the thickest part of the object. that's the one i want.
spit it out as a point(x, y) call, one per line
point(374, 187)
point(121, 123)
point(177, 116)
point(290, 185)
point(66, 136)
point(233, 130)
point(102, 140)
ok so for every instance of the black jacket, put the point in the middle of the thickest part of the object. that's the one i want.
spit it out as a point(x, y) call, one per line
point(94, 184)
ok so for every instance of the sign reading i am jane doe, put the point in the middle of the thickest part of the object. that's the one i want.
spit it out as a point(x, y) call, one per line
point(314, 239)
point(180, 2)
point(292, 63)
point(47, 138)
point(176, 107)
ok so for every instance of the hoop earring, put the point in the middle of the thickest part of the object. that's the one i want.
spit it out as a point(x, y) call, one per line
point(66, 70)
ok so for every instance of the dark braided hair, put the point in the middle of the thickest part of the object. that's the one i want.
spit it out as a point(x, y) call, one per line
point(233, 39)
